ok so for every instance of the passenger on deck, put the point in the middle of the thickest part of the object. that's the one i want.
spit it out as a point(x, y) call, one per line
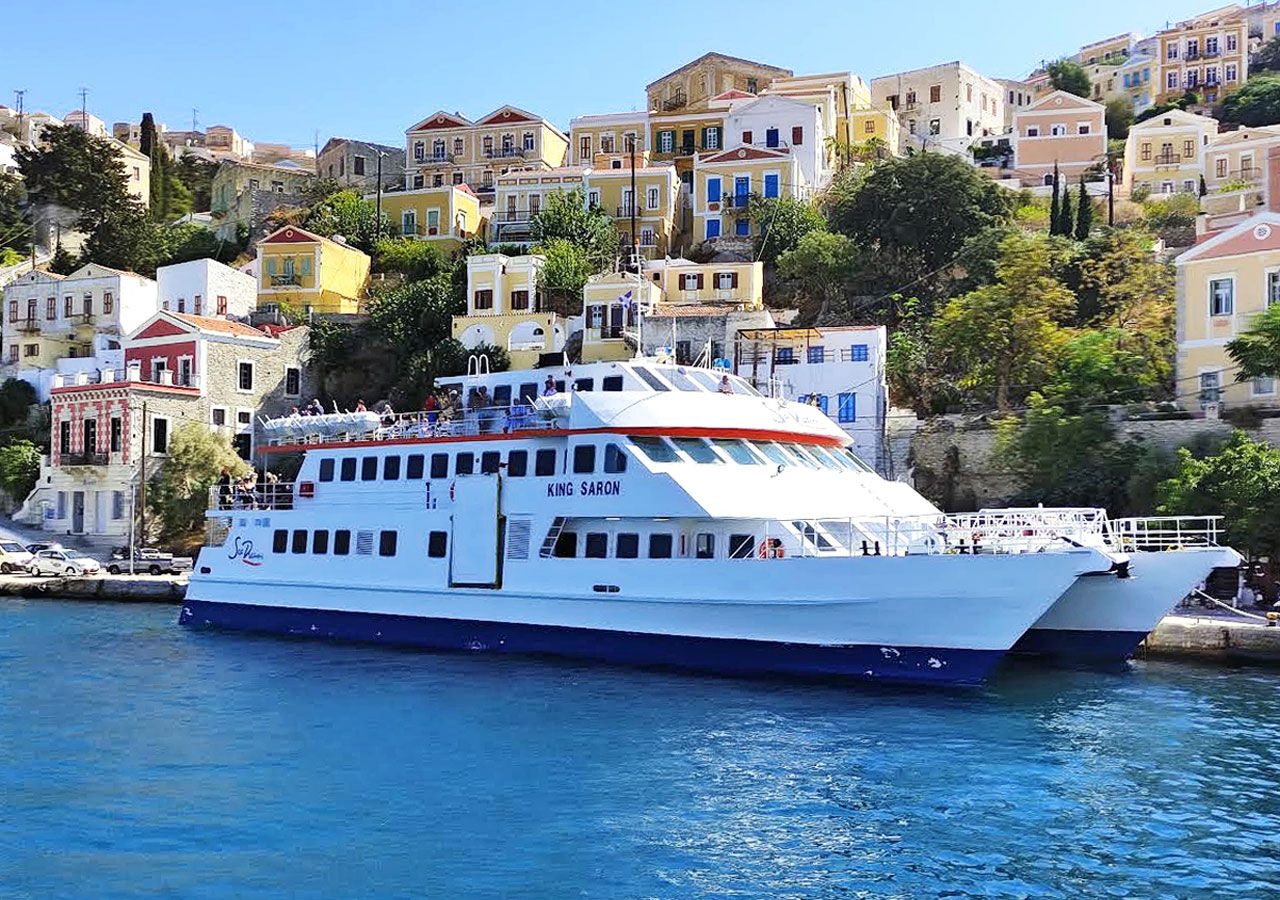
point(549, 388)
point(317, 408)
point(360, 407)
point(725, 387)
point(388, 415)
point(431, 406)
point(224, 488)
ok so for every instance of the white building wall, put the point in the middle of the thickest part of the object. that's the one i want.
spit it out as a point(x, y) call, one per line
point(758, 116)
point(209, 280)
point(960, 110)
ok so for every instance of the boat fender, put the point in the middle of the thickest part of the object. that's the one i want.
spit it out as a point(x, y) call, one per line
point(452, 484)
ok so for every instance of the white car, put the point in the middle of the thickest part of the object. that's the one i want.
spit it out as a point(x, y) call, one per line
point(14, 557)
point(61, 561)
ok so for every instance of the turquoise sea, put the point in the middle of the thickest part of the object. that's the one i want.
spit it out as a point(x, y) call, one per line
point(139, 759)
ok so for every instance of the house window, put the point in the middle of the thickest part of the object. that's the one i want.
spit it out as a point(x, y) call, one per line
point(1171, 82)
point(357, 165)
point(1231, 71)
point(797, 135)
point(1220, 168)
point(935, 126)
point(1082, 129)
point(437, 149)
point(218, 416)
point(652, 197)
point(292, 381)
point(858, 353)
point(519, 300)
point(726, 281)
point(184, 371)
point(457, 178)
point(1221, 296)
point(1210, 387)
point(182, 304)
point(935, 93)
point(1189, 148)
point(746, 137)
point(419, 182)
point(847, 407)
point(1146, 152)
point(714, 192)
point(771, 185)
point(409, 222)
point(584, 147)
point(606, 143)
point(67, 303)
point(197, 305)
point(1231, 43)
point(771, 137)
point(713, 228)
point(1033, 131)
point(1264, 386)
point(1273, 288)
point(222, 306)
point(1057, 130)
point(244, 372)
point(160, 435)
point(157, 367)
point(29, 350)
point(117, 430)
point(51, 308)
point(666, 141)
point(593, 199)
point(869, 126)
point(742, 227)
point(817, 354)
point(648, 237)
point(711, 139)
point(419, 150)
point(13, 353)
point(483, 299)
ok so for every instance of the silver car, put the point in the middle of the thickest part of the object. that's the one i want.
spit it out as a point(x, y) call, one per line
point(60, 561)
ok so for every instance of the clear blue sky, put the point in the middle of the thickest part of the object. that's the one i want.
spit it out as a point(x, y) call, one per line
point(284, 71)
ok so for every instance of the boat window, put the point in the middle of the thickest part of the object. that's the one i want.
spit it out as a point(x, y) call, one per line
point(698, 449)
point(628, 545)
point(704, 546)
point(584, 384)
point(857, 460)
point(741, 546)
point(437, 544)
point(657, 449)
point(391, 468)
point(413, 469)
point(678, 377)
point(846, 462)
point(774, 453)
point(813, 536)
point(824, 457)
point(299, 541)
point(741, 386)
point(364, 543)
point(615, 460)
point(439, 465)
point(280, 541)
point(528, 391)
point(320, 541)
point(517, 463)
point(387, 543)
point(566, 545)
point(798, 452)
point(489, 461)
point(349, 469)
point(369, 468)
point(502, 395)
point(706, 379)
point(544, 463)
point(611, 383)
point(326, 470)
point(341, 542)
point(659, 546)
point(596, 546)
point(465, 464)
point(738, 451)
point(584, 458)
point(650, 379)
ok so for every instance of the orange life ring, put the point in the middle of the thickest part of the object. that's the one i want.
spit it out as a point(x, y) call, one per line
point(771, 548)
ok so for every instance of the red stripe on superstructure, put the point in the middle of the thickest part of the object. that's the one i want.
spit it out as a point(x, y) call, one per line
point(750, 434)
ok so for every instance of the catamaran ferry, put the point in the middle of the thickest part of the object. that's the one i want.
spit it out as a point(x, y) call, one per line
point(630, 511)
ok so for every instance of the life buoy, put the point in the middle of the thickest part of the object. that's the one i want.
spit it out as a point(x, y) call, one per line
point(771, 548)
point(764, 550)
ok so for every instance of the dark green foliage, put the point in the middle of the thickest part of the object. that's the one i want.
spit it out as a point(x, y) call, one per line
point(415, 260)
point(1084, 214)
point(1068, 75)
point(1257, 103)
point(64, 262)
point(1066, 218)
point(1257, 351)
point(1119, 117)
point(14, 232)
point(1055, 204)
point(347, 214)
point(196, 175)
point(565, 216)
point(781, 223)
point(76, 170)
point(19, 468)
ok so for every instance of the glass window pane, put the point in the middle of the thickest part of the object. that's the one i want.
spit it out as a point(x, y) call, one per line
point(657, 449)
point(698, 449)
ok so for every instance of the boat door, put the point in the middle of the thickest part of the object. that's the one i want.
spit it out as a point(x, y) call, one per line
point(474, 544)
point(77, 512)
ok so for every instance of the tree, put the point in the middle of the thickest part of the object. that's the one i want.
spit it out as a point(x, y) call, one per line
point(822, 265)
point(196, 175)
point(179, 493)
point(13, 230)
point(64, 262)
point(126, 238)
point(1006, 337)
point(563, 274)
point(781, 223)
point(1257, 350)
point(417, 315)
point(415, 260)
point(76, 170)
point(1084, 213)
point(347, 214)
point(1068, 75)
point(1241, 482)
point(1256, 103)
point(1119, 118)
point(1055, 204)
point(564, 215)
point(19, 468)
point(913, 216)
point(1267, 58)
point(1102, 367)
point(1066, 218)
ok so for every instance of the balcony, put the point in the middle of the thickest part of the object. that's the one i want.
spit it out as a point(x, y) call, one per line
point(678, 100)
point(82, 319)
point(506, 153)
point(287, 280)
point(27, 326)
point(1167, 159)
point(512, 216)
point(435, 159)
point(607, 333)
point(86, 459)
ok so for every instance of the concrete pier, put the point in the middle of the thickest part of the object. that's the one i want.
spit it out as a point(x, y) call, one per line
point(1213, 637)
point(120, 588)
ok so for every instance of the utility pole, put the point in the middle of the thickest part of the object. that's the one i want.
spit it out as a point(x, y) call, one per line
point(193, 121)
point(84, 110)
point(378, 221)
point(142, 480)
point(1111, 197)
point(18, 96)
point(635, 248)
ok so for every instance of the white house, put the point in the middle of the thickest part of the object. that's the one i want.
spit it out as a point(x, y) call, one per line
point(773, 121)
point(841, 370)
point(206, 287)
point(944, 107)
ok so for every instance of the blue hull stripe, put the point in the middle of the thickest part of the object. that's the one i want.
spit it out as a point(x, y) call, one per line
point(1080, 646)
point(921, 665)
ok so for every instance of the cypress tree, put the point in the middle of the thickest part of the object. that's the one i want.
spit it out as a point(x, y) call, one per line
point(1053, 204)
point(148, 139)
point(1084, 214)
point(1066, 217)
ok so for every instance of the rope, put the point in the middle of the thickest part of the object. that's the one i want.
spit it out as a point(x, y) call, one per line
point(1203, 596)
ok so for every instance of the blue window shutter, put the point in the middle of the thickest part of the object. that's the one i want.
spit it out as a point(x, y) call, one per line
point(713, 228)
point(847, 406)
point(771, 185)
point(822, 403)
point(713, 190)
point(771, 137)
point(743, 228)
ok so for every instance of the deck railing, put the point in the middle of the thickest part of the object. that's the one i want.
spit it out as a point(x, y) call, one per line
point(1167, 532)
point(478, 420)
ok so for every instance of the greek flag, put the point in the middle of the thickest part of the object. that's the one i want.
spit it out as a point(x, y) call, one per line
point(627, 300)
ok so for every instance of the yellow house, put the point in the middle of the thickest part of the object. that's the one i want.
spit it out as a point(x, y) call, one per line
point(1208, 55)
point(311, 272)
point(444, 216)
point(447, 148)
point(504, 309)
point(137, 171)
point(1222, 283)
point(738, 284)
point(612, 308)
point(593, 137)
point(1165, 154)
point(692, 86)
point(1237, 159)
point(724, 182)
point(1108, 50)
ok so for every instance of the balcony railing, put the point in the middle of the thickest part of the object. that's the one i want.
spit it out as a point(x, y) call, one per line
point(86, 459)
point(506, 153)
point(27, 326)
point(435, 159)
point(82, 319)
point(512, 216)
point(1168, 159)
point(284, 280)
point(676, 101)
point(607, 333)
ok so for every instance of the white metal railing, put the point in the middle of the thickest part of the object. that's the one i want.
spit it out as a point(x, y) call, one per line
point(298, 429)
point(1167, 532)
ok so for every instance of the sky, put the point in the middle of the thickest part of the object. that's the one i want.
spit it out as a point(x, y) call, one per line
point(301, 73)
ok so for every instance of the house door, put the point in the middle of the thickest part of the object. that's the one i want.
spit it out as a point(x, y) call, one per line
point(77, 512)
point(474, 545)
point(100, 500)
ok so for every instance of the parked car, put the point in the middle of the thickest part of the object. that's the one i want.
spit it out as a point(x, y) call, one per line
point(35, 548)
point(61, 561)
point(149, 560)
point(14, 557)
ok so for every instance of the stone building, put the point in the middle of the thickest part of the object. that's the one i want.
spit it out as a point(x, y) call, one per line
point(243, 194)
point(354, 164)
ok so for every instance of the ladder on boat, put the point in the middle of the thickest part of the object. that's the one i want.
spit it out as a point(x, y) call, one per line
point(553, 535)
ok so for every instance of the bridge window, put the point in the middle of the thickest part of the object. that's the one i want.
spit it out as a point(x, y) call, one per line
point(741, 546)
point(528, 391)
point(596, 546)
point(738, 451)
point(698, 449)
point(439, 465)
point(656, 448)
point(369, 468)
point(584, 384)
point(567, 545)
point(437, 544)
point(502, 395)
point(544, 463)
point(704, 546)
point(299, 541)
point(517, 463)
point(489, 461)
point(615, 460)
point(465, 464)
point(774, 453)
point(280, 541)
point(326, 470)
point(584, 458)
point(650, 379)
point(349, 469)
point(659, 546)
point(341, 542)
point(387, 543)
point(611, 383)
point(628, 545)
point(413, 470)
point(391, 468)
point(320, 541)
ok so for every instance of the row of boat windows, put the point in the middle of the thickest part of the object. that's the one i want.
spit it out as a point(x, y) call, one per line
point(679, 377)
point(612, 459)
point(659, 545)
point(318, 542)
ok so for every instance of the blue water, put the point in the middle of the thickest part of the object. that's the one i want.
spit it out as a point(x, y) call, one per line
point(138, 759)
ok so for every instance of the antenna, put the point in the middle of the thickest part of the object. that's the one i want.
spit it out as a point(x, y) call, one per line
point(193, 119)
point(84, 110)
point(18, 95)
